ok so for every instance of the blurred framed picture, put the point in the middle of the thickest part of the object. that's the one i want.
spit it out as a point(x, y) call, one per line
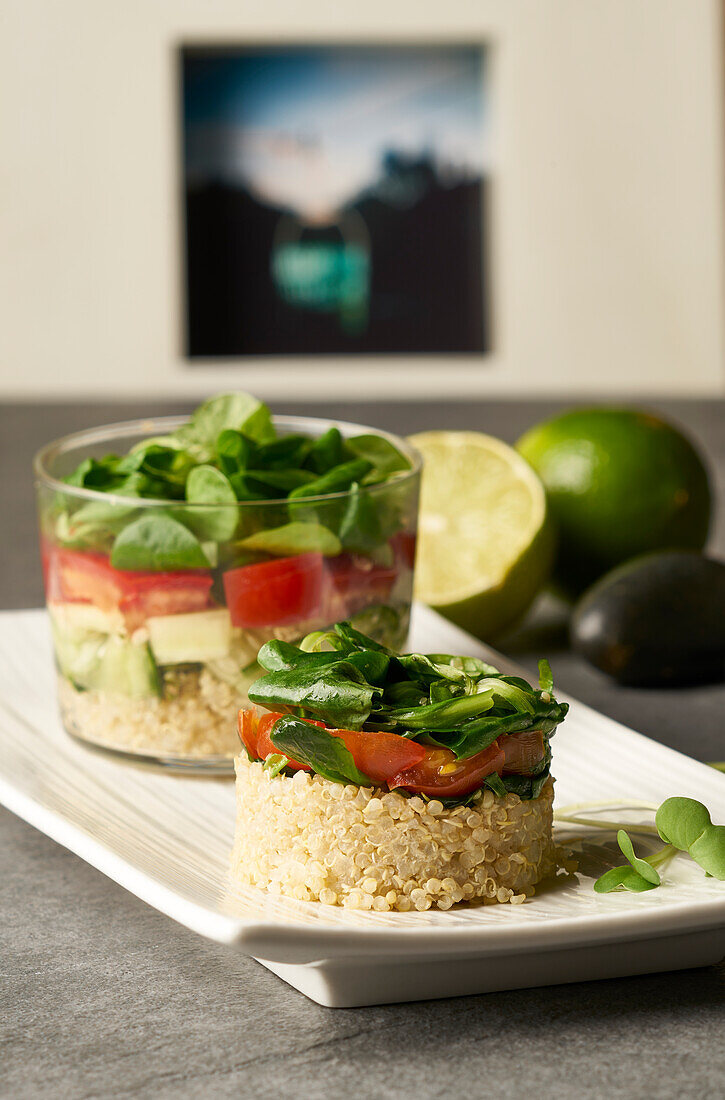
point(335, 200)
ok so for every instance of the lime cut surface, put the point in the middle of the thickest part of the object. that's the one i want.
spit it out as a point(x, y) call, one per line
point(484, 546)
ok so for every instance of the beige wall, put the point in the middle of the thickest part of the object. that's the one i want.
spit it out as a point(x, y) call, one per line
point(607, 210)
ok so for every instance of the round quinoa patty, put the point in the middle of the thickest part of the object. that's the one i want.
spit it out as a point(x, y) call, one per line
point(366, 848)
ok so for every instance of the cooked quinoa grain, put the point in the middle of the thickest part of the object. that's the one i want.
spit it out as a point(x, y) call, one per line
point(197, 717)
point(362, 848)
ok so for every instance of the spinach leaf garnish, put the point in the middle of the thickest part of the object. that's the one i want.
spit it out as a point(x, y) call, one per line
point(354, 639)
point(328, 756)
point(495, 783)
point(337, 693)
point(473, 667)
point(276, 656)
point(349, 681)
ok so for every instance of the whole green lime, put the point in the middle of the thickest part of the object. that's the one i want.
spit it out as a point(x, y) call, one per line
point(619, 482)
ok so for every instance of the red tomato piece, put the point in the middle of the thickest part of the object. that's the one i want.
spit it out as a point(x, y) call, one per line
point(265, 745)
point(275, 593)
point(400, 762)
point(254, 731)
point(403, 544)
point(247, 722)
point(440, 773)
point(85, 577)
point(522, 752)
point(149, 594)
point(357, 582)
point(379, 755)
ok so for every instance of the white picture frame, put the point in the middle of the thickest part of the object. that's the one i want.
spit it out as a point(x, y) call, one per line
point(606, 218)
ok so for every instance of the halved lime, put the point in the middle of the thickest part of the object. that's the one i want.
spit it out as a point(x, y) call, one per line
point(485, 545)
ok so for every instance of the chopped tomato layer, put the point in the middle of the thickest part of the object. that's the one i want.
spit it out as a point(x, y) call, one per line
point(80, 576)
point(356, 583)
point(276, 593)
point(399, 762)
point(380, 755)
point(254, 730)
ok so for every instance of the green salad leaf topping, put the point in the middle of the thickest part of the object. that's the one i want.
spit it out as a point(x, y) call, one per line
point(328, 756)
point(350, 681)
point(157, 542)
point(227, 452)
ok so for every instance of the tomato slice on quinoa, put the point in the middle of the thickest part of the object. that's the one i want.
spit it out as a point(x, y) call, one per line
point(399, 762)
point(440, 773)
point(247, 722)
point(381, 755)
point(254, 731)
point(377, 754)
point(522, 751)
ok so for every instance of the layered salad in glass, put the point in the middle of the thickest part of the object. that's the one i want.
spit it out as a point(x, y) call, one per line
point(172, 550)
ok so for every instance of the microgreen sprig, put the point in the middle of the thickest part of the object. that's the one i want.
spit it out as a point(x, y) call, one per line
point(686, 825)
point(637, 874)
point(683, 823)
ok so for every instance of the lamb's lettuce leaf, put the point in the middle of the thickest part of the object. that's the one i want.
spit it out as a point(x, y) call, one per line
point(328, 756)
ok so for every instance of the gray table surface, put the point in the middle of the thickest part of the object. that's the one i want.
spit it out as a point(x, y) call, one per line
point(101, 996)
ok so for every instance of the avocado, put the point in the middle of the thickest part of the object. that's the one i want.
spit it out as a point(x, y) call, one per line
point(656, 620)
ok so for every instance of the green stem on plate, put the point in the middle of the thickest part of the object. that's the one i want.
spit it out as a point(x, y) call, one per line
point(598, 823)
point(664, 855)
point(622, 803)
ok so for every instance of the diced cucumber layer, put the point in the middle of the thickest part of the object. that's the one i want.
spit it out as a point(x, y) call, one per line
point(230, 672)
point(102, 662)
point(79, 619)
point(128, 669)
point(198, 636)
point(79, 657)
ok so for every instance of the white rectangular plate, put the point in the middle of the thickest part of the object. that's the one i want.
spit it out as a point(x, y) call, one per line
point(167, 838)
